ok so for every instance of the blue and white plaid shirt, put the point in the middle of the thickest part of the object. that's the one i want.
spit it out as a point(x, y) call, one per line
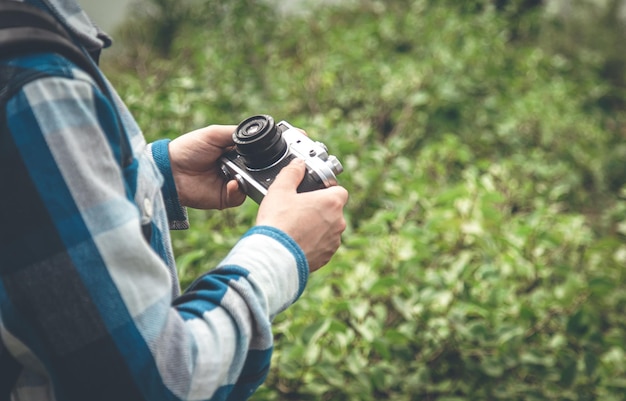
point(90, 309)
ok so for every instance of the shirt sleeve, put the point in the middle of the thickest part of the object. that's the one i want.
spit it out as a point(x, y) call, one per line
point(176, 213)
point(86, 303)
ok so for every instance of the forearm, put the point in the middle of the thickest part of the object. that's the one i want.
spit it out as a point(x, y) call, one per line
point(263, 274)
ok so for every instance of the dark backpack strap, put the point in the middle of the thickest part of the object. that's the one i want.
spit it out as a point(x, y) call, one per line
point(25, 29)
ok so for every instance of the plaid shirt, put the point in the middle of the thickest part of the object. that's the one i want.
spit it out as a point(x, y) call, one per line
point(90, 306)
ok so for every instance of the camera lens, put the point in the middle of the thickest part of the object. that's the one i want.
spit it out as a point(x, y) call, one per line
point(259, 142)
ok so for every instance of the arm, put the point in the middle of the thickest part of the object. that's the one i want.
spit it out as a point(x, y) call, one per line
point(84, 295)
point(309, 225)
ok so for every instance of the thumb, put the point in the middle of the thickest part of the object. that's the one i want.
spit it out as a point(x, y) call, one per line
point(290, 176)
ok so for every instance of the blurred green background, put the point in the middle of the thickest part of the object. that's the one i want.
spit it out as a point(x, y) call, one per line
point(484, 149)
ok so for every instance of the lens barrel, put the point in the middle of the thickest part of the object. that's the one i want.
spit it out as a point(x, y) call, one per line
point(258, 141)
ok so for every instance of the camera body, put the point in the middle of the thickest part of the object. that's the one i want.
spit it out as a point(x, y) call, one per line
point(263, 148)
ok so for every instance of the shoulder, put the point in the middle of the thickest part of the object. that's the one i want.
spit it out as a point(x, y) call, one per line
point(17, 72)
point(32, 81)
point(47, 97)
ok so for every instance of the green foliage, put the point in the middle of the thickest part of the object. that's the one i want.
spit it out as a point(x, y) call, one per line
point(485, 255)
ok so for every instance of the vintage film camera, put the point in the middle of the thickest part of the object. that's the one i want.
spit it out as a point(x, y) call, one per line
point(263, 148)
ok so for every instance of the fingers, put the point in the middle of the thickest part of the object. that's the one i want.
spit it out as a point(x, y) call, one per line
point(289, 177)
point(234, 197)
point(339, 193)
point(216, 135)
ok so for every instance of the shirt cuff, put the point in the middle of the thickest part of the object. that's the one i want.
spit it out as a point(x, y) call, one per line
point(292, 247)
point(276, 264)
point(176, 213)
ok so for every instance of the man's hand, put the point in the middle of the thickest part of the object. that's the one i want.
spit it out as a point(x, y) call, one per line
point(313, 219)
point(196, 170)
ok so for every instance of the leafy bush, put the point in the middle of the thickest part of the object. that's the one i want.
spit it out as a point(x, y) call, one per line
point(484, 256)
